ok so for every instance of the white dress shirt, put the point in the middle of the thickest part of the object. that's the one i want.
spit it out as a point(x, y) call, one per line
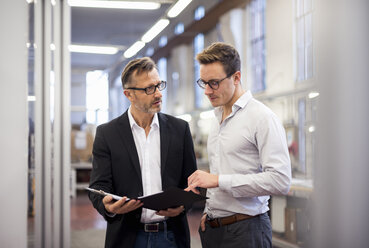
point(248, 150)
point(148, 150)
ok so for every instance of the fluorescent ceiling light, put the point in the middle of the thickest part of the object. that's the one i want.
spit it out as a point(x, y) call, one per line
point(313, 94)
point(178, 7)
point(155, 30)
point(114, 4)
point(93, 49)
point(134, 49)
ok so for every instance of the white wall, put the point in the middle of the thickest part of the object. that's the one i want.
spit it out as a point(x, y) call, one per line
point(14, 123)
point(341, 172)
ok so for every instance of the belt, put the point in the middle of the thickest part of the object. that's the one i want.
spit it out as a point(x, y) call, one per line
point(223, 221)
point(155, 227)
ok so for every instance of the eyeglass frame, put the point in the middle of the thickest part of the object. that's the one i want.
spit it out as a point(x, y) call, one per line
point(216, 82)
point(162, 82)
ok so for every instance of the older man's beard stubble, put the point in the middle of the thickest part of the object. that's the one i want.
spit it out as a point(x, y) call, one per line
point(152, 108)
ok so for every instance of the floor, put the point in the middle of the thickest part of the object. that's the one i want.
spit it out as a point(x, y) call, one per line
point(88, 227)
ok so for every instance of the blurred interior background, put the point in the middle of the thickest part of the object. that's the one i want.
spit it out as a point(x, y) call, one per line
point(305, 59)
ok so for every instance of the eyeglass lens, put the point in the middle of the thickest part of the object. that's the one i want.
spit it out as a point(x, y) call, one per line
point(150, 90)
point(212, 84)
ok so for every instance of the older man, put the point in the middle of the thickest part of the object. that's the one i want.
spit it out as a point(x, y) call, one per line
point(140, 153)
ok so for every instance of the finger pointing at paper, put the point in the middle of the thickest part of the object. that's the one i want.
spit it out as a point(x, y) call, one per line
point(201, 179)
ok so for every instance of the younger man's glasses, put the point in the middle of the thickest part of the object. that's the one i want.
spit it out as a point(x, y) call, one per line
point(151, 89)
point(214, 84)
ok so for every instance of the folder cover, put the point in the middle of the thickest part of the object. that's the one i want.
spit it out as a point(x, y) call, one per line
point(170, 198)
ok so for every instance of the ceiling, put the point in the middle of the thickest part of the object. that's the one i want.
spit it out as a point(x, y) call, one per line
point(106, 27)
point(122, 28)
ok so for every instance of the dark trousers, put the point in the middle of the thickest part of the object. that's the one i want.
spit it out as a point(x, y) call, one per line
point(161, 239)
point(251, 233)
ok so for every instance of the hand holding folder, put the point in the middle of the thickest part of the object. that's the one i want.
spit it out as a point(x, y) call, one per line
point(169, 198)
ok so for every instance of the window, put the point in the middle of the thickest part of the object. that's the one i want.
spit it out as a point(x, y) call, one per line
point(198, 46)
point(301, 133)
point(304, 40)
point(97, 97)
point(52, 95)
point(162, 68)
point(179, 28)
point(163, 41)
point(257, 34)
point(199, 13)
point(149, 52)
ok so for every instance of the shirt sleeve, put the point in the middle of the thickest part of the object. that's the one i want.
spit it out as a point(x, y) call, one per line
point(274, 177)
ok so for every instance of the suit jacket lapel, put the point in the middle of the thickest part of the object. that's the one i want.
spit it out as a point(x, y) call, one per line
point(125, 133)
point(164, 141)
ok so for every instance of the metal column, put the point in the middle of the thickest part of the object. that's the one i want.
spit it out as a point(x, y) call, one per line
point(52, 151)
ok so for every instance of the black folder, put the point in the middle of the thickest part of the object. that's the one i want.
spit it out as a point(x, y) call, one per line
point(170, 198)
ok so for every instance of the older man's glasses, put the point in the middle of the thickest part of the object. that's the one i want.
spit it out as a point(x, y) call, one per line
point(151, 89)
point(214, 84)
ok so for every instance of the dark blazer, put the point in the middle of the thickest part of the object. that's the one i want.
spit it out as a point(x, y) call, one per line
point(116, 169)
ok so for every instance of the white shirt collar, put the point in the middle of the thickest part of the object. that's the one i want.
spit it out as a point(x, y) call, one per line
point(240, 103)
point(132, 122)
point(243, 100)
